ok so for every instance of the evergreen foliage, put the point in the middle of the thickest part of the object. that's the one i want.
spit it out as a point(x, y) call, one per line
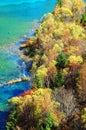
point(61, 60)
point(59, 80)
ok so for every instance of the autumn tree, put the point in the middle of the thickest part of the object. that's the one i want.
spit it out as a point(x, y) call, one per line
point(37, 112)
point(64, 14)
point(74, 64)
point(66, 99)
point(82, 82)
point(78, 8)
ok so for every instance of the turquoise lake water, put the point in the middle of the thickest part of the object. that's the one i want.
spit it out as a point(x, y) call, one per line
point(17, 18)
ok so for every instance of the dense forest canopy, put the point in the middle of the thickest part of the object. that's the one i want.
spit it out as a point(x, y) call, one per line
point(58, 50)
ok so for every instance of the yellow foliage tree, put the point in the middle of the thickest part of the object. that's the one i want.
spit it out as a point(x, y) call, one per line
point(78, 7)
point(42, 71)
point(63, 13)
point(73, 59)
point(33, 109)
point(76, 31)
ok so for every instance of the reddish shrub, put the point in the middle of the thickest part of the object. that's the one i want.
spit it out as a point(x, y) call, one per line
point(28, 92)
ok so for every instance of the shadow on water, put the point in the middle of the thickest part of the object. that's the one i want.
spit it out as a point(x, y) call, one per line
point(3, 118)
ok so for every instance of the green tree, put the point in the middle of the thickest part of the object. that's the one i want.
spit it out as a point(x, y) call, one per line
point(48, 123)
point(61, 60)
point(59, 80)
point(60, 2)
point(83, 20)
point(11, 124)
point(40, 82)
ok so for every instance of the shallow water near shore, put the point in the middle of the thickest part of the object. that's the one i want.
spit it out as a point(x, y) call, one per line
point(17, 18)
